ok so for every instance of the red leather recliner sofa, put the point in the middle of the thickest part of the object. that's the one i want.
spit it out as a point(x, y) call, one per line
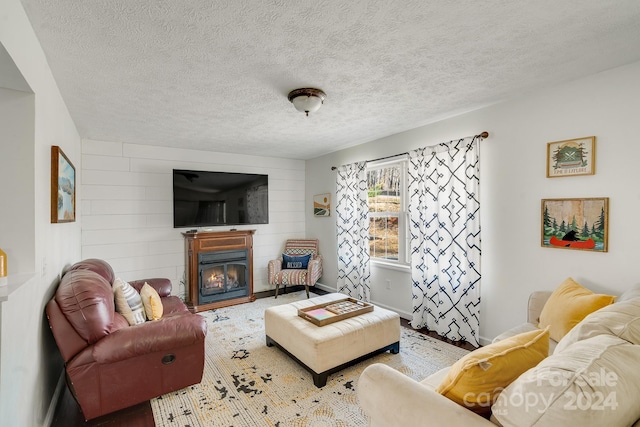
point(109, 364)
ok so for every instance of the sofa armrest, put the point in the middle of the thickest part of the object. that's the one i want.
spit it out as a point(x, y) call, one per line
point(391, 398)
point(161, 285)
point(536, 302)
point(153, 336)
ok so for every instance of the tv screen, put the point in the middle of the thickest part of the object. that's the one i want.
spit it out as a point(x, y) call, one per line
point(203, 199)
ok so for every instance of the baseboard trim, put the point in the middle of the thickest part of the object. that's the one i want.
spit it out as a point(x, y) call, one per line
point(57, 393)
point(484, 341)
point(325, 288)
point(272, 292)
point(401, 313)
point(293, 288)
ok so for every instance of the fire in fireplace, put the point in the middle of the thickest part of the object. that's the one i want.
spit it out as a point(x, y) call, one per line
point(223, 275)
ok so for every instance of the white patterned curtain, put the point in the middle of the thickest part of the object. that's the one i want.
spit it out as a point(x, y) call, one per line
point(444, 221)
point(352, 217)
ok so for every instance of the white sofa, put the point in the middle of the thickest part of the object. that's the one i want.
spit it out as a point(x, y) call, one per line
point(389, 398)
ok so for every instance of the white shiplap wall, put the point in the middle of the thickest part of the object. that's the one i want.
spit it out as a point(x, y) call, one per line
point(127, 208)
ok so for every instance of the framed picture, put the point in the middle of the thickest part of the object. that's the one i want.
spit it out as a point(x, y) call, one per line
point(581, 224)
point(322, 204)
point(63, 187)
point(571, 157)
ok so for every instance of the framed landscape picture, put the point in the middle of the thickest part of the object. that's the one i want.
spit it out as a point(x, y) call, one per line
point(580, 224)
point(571, 157)
point(63, 187)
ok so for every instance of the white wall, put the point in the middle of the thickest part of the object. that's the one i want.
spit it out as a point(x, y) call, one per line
point(513, 182)
point(128, 210)
point(17, 231)
point(30, 365)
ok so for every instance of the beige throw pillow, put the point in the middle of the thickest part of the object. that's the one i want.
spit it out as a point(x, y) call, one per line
point(631, 293)
point(621, 319)
point(116, 284)
point(151, 300)
point(592, 383)
point(128, 302)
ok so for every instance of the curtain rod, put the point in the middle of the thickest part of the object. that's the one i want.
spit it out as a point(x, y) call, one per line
point(483, 135)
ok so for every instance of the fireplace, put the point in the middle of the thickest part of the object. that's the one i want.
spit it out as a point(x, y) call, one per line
point(219, 269)
point(222, 275)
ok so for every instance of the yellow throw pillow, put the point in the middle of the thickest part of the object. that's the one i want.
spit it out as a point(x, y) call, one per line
point(151, 301)
point(476, 380)
point(568, 305)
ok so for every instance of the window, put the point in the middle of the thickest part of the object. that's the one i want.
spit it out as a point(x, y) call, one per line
point(386, 184)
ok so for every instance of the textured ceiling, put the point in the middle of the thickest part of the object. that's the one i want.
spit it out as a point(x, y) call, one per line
point(214, 75)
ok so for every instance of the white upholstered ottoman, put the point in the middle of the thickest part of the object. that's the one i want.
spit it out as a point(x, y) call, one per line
point(324, 350)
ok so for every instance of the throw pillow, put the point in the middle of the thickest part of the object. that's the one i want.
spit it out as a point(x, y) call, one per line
point(151, 301)
point(129, 303)
point(476, 380)
point(592, 383)
point(116, 284)
point(568, 305)
point(300, 262)
point(621, 319)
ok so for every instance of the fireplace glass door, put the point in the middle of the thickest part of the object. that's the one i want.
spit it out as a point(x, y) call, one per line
point(223, 278)
point(223, 275)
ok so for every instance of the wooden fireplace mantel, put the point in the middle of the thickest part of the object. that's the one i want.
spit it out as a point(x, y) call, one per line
point(199, 242)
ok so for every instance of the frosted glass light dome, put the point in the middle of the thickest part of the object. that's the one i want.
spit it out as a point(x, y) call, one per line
point(307, 100)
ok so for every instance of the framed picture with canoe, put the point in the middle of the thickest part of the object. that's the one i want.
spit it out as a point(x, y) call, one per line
point(581, 224)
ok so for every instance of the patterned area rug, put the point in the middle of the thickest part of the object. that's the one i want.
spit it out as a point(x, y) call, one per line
point(246, 383)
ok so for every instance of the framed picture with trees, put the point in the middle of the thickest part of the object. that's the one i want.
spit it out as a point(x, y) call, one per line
point(580, 224)
point(571, 157)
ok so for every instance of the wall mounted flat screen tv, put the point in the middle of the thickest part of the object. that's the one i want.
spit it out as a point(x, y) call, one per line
point(204, 199)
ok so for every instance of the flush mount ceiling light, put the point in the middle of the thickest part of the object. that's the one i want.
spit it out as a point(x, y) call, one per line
point(307, 100)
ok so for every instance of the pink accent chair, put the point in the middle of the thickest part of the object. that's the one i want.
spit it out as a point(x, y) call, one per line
point(307, 277)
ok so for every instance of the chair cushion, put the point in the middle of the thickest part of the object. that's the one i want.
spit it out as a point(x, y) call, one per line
point(295, 261)
point(593, 382)
point(475, 381)
point(434, 380)
point(568, 305)
point(291, 277)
